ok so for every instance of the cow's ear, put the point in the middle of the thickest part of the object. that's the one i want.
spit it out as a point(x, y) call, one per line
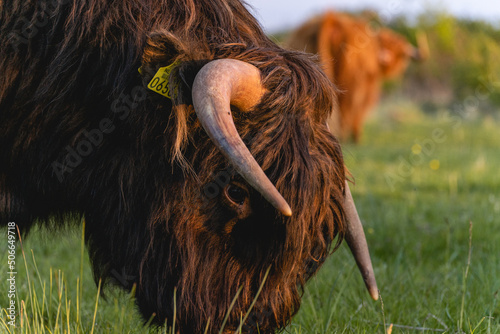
point(162, 49)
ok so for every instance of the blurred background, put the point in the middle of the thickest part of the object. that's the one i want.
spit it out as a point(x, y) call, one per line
point(464, 39)
point(280, 15)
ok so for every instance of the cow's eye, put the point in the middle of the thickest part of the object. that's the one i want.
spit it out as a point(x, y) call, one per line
point(236, 194)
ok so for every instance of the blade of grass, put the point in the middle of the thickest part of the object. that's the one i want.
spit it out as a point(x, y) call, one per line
point(255, 299)
point(79, 281)
point(40, 313)
point(464, 282)
point(383, 311)
point(96, 304)
point(59, 296)
point(5, 325)
point(27, 271)
point(175, 309)
point(207, 326)
point(229, 310)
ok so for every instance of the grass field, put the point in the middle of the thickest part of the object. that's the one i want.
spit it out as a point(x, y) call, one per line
point(428, 191)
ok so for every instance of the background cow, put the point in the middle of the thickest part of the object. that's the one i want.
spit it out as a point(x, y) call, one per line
point(357, 58)
point(80, 135)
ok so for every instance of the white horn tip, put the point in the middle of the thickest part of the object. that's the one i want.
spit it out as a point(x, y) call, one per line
point(374, 293)
point(286, 210)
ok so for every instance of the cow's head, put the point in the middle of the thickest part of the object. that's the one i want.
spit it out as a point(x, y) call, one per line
point(395, 52)
point(258, 187)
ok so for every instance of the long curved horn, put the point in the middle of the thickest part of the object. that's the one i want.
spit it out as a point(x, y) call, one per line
point(217, 86)
point(355, 237)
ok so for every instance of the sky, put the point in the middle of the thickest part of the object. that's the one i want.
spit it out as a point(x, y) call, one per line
point(276, 15)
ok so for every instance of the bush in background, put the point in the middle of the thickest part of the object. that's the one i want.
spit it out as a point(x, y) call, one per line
point(463, 70)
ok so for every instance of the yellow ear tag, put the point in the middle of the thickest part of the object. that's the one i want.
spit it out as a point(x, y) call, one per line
point(160, 84)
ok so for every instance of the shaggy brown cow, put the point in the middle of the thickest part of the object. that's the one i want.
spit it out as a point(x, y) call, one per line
point(357, 58)
point(223, 171)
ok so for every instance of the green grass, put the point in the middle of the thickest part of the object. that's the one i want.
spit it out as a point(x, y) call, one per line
point(418, 232)
point(417, 203)
point(56, 292)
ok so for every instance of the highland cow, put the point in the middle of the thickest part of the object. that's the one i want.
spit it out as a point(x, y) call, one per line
point(196, 149)
point(357, 56)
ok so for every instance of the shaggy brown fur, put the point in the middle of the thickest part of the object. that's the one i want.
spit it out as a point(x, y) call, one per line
point(69, 71)
point(357, 59)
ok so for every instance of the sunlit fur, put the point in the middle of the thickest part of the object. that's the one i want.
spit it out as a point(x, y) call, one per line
point(357, 55)
point(141, 190)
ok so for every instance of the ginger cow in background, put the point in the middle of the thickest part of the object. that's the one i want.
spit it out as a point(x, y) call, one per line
point(357, 58)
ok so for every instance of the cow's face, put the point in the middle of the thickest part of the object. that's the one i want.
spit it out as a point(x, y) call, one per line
point(229, 234)
point(221, 224)
point(394, 53)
